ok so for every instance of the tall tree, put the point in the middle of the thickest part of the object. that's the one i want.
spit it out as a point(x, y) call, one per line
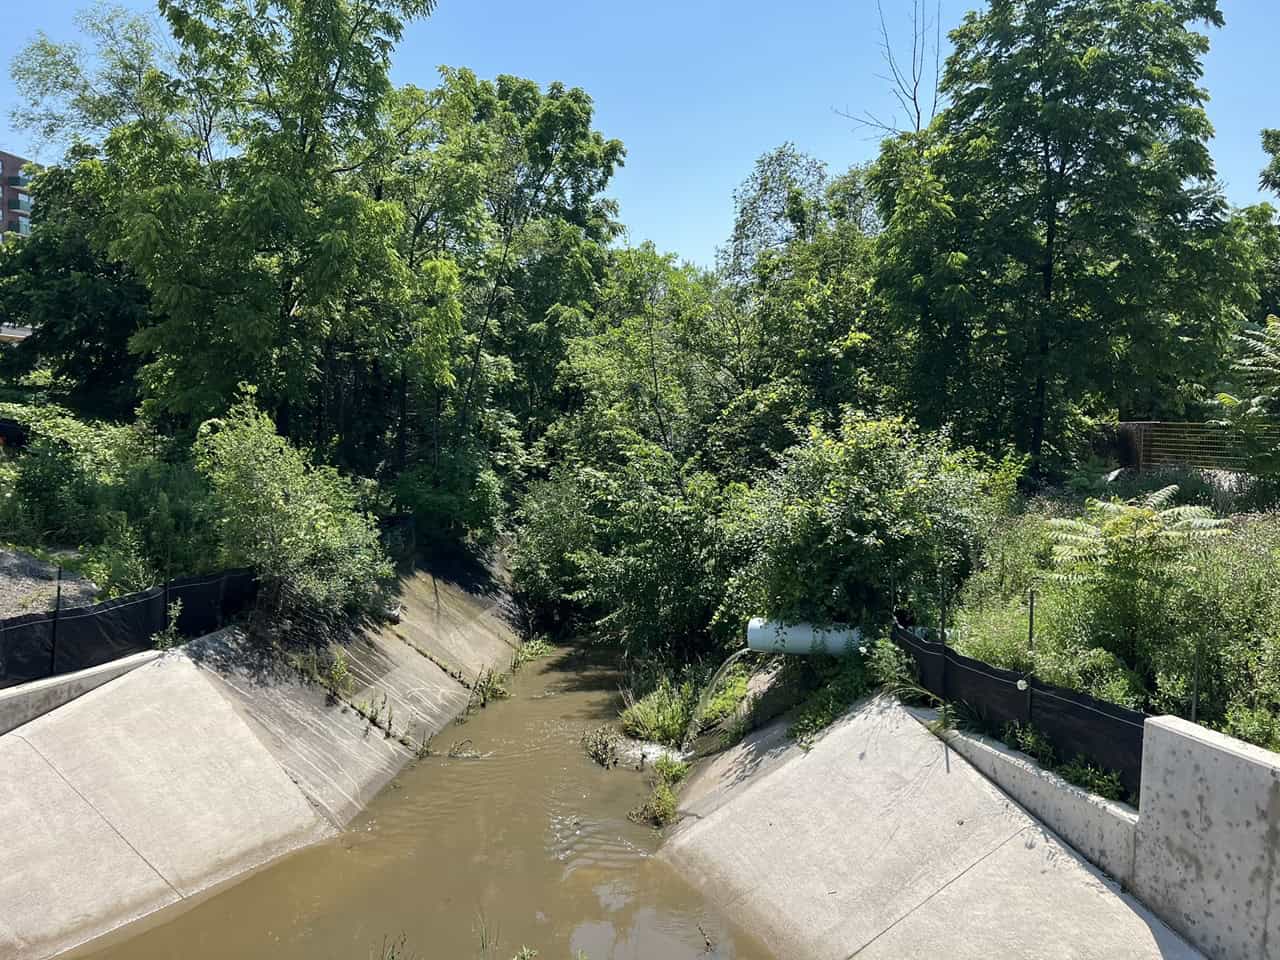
point(1097, 250)
point(82, 304)
point(263, 258)
point(1271, 174)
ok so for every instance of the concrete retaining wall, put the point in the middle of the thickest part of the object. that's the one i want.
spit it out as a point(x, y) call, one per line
point(1208, 839)
point(880, 842)
point(1203, 850)
point(135, 796)
point(1102, 831)
point(22, 704)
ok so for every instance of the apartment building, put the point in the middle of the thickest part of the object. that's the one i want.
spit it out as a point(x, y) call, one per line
point(15, 196)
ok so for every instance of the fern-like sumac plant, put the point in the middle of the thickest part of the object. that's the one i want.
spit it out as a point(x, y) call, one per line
point(1253, 421)
point(1120, 558)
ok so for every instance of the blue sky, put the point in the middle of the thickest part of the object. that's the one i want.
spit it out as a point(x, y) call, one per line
point(698, 89)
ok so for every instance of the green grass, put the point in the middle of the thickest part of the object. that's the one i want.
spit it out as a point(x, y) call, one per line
point(662, 715)
point(659, 807)
point(844, 681)
point(1032, 742)
point(1105, 783)
point(724, 700)
point(670, 771)
point(1079, 771)
point(534, 649)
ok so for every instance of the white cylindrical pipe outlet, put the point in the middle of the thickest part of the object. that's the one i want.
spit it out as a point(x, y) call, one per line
point(767, 636)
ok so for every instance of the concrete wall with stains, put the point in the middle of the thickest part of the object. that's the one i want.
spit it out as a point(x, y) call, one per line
point(1208, 839)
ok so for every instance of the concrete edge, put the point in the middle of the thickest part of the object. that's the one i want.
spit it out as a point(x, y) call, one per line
point(27, 701)
point(1102, 831)
point(1208, 846)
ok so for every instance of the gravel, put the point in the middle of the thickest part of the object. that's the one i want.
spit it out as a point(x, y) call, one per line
point(29, 585)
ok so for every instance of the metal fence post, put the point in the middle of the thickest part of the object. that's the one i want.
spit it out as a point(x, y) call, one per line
point(1031, 626)
point(942, 638)
point(1031, 647)
point(53, 628)
point(222, 600)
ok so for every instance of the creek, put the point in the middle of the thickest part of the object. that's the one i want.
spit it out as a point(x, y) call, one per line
point(521, 841)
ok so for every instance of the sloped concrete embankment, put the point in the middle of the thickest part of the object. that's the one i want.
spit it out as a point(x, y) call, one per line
point(882, 842)
point(209, 762)
point(25, 702)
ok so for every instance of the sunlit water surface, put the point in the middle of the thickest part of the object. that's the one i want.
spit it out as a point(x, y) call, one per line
point(527, 845)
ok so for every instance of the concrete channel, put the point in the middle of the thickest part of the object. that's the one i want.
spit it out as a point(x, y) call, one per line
point(882, 841)
point(205, 763)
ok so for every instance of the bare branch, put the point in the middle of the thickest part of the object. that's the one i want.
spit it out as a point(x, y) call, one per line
point(907, 82)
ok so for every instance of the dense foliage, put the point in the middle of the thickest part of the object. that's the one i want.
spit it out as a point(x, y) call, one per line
point(1144, 603)
point(277, 297)
point(299, 526)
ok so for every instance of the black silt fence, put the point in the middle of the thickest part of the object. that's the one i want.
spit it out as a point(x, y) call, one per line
point(88, 636)
point(41, 645)
point(1076, 724)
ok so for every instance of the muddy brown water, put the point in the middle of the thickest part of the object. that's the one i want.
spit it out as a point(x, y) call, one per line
point(528, 844)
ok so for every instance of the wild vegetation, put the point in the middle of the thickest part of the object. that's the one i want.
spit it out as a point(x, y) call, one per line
point(276, 298)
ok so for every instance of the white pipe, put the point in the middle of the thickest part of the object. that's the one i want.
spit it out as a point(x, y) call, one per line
point(765, 636)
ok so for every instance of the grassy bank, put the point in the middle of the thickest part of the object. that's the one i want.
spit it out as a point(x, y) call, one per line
point(1160, 603)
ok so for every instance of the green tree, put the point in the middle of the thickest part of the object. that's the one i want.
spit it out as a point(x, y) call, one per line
point(259, 258)
point(83, 305)
point(1270, 178)
point(1091, 263)
point(69, 94)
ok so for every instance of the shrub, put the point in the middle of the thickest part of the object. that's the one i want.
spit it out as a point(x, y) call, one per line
point(551, 555)
point(662, 715)
point(670, 770)
point(662, 572)
point(337, 676)
point(64, 473)
point(533, 649)
point(659, 808)
point(129, 500)
point(1105, 783)
point(601, 745)
point(295, 523)
point(117, 565)
point(889, 666)
point(853, 518)
point(1151, 607)
point(169, 637)
point(1126, 556)
point(1032, 742)
point(645, 554)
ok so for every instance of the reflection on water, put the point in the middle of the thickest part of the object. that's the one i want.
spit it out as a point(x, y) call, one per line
point(529, 845)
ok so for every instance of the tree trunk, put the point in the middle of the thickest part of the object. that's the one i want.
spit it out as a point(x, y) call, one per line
point(401, 441)
point(435, 432)
point(1045, 316)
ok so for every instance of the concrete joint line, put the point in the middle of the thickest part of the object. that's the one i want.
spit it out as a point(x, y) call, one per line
point(999, 846)
point(456, 675)
point(125, 840)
